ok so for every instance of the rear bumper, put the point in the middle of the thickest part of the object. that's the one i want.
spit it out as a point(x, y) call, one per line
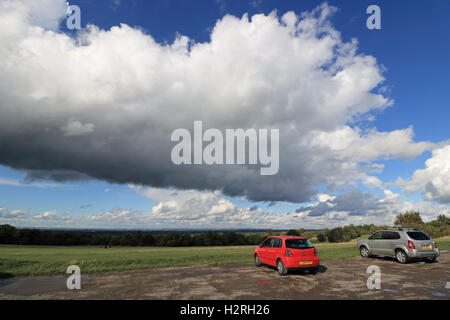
point(413, 253)
point(294, 262)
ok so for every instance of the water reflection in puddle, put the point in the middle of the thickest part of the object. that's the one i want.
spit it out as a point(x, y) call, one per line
point(391, 290)
point(438, 294)
point(32, 286)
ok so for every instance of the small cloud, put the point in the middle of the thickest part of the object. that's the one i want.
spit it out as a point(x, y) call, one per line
point(75, 127)
point(46, 215)
point(221, 4)
point(115, 4)
point(27, 183)
point(255, 3)
point(13, 214)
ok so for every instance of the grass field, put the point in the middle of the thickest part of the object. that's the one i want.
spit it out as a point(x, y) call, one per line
point(16, 261)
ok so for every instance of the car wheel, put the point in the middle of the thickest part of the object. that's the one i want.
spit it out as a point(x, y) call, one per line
point(401, 256)
point(257, 262)
point(364, 252)
point(430, 260)
point(281, 267)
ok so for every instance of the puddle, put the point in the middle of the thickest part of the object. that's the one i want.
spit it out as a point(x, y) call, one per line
point(7, 282)
point(438, 294)
point(391, 290)
point(32, 286)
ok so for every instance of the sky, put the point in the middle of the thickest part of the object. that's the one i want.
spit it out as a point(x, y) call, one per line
point(86, 115)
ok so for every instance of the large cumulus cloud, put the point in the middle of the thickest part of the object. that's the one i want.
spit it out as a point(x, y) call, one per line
point(103, 105)
point(434, 180)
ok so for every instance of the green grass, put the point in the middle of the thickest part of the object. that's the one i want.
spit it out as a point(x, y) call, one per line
point(46, 260)
point(40, 260)
point(443, 243)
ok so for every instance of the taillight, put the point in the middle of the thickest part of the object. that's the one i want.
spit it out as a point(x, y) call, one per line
point(316, 253)
point(435, 244)
point(411, 245)
point(288, 253)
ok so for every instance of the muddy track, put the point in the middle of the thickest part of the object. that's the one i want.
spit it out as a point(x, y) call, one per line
point(337, 279)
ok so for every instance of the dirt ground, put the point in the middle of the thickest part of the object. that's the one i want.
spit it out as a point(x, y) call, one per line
point(337, 279)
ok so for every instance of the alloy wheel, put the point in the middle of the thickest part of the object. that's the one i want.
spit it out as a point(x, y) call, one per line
point(401, 257)
point(280, 267)
point(364, 252)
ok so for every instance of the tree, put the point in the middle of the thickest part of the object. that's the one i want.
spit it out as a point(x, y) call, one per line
point(350, 232)
point(148, 239)
point(335, 235)
point(409, 219)
point(7, 234)
point(443, 220)
point(321, 237)
point(127, 240)
point(293, 232)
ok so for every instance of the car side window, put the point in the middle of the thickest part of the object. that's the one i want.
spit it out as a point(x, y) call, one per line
point(273, 242)
point(391, 235)
point(280, 243)
point(267, 243)
point(276, 243)
point(376, 236)
point(386, 235)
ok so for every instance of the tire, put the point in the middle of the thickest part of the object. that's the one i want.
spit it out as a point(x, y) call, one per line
point(257, 261)
point(430, 260)
point(281, 267)
point(401, 256)
point(364, 252)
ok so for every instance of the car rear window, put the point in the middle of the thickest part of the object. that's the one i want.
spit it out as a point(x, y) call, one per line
point(298, 244)
point(417, 235)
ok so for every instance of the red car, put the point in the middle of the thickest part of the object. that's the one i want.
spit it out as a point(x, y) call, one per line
point(287, 253)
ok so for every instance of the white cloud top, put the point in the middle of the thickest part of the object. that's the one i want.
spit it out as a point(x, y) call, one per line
point(434, 180)
point(103, 105)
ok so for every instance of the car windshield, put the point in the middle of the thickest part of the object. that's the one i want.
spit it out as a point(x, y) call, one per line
point(417, 235)
point(298, 244)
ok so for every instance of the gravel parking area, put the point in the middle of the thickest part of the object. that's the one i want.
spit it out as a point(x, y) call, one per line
point(337, 279)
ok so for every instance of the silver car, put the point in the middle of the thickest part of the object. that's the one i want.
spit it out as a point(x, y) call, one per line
point(403, 244)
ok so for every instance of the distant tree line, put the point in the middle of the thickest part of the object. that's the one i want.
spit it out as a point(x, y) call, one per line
point(10, 235)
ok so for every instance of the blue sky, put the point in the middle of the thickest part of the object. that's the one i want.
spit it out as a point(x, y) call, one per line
point(412, 49)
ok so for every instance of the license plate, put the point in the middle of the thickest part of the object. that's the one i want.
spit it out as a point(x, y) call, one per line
point(302, 263)
point(426, 247)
